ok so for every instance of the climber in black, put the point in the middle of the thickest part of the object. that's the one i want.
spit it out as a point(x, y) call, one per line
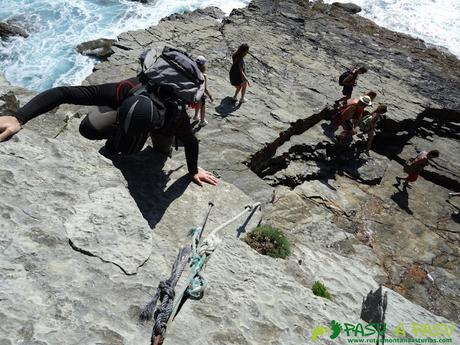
point(139, 109)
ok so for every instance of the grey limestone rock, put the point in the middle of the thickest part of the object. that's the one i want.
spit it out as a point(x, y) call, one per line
point(85, 238)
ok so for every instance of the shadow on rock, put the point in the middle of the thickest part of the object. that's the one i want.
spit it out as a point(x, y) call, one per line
point(401, 197)
point(329, 130)
point(350, 159)
point(226, 107)
point(325, 181)
point(147, 181)
point(456, 214)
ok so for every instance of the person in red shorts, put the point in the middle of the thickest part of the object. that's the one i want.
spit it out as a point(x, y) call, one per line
point(415, 166)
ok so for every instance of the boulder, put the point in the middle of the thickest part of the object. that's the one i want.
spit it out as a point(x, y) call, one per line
point(208, 12)
point(10, 30)
point(100, 48)
point(349, 7)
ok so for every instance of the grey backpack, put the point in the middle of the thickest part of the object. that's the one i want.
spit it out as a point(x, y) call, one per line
point(173, 70)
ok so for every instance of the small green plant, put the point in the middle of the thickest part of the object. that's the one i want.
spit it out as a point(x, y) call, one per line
point(320, 290)
point(269, 241)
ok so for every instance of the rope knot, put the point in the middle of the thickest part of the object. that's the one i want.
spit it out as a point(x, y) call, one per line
point(166, 289)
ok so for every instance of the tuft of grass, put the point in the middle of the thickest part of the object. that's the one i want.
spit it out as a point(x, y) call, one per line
point(268, 240)
point(320, 290)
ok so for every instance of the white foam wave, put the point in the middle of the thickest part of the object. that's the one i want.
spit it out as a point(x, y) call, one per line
point(47, 57)
point(437, 22)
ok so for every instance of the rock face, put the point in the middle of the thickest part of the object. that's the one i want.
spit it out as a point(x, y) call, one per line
point(100, 48)
point(8, 30)
point(205, 13)
point(85, 240)
point(349, 7)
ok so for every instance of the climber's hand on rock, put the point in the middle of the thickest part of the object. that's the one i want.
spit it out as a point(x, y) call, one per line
point(9, 126)
point(204, 176)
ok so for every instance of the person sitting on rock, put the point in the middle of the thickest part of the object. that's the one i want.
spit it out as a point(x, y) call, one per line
point(201, 108)
point(97, 125)
point(368, 123)
point(238, 76)
point(350, 116)
point(415, 166)
point(348, 80)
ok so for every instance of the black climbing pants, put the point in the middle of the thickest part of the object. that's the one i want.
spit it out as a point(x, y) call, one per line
point(100, 123)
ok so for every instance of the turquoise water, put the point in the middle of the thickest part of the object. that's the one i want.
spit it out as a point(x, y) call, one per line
point(47, 57)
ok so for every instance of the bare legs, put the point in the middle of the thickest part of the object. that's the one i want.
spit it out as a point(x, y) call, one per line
point(242, 87)
point(237, 90)
point(201, 110)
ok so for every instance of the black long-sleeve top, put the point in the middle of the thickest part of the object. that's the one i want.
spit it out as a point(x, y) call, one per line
point(112, 95)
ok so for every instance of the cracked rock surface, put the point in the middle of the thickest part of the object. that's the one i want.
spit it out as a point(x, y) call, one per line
point(85, 239)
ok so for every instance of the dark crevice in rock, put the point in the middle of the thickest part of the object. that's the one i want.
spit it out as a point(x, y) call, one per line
point(302, 162)
point(322, 161)
point(88, 253)
point(260, 160)
point(307, 162)
point(440, 122)
point(121, 46)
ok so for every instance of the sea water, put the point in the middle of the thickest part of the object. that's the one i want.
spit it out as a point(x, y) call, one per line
point(437, 22)
point(48, 58)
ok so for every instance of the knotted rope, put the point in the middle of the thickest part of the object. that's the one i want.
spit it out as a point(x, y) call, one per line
point(198, 254)
point(165, 295)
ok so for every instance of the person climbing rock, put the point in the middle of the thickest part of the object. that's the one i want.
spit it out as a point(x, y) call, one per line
point(335, 118)
point(372, 95)
point(238, 76)
point(350, 116)
point(348, 80)
point(415, 166)
point(201, 108)
point(368, 123)
point(136, 115)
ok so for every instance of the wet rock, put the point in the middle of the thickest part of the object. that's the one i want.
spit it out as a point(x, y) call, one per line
point(9, 30)
point(202, 13)
point(349, 7)
point(100, 48)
